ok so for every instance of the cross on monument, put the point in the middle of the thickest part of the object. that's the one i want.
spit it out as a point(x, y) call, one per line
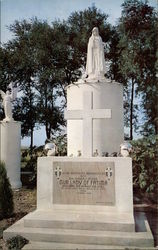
point(87, 115)
point(58, 172)
point(109, 172)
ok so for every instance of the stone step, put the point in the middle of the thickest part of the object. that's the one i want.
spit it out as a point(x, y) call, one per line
point(65, 246)
point(84, 221)
point(139, 239)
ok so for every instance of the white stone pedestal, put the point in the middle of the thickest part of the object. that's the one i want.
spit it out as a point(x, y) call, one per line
point(10, 147)
point(83, 203)
point(86, 175)
point(94, 118)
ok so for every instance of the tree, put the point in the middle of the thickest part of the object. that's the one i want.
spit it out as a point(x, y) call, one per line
point(52, 53)
point(25, 110)
point(21, 70)
point(137, 46)
point(28, 64)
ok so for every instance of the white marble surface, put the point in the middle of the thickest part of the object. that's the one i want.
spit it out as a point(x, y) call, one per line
point(8, 97)
point(10, 147)
point(87, 226)
point(81, 239)
point(105, 134)
point(87, 115)
point(123, 184)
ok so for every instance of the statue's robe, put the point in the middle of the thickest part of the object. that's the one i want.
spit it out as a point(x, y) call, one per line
point(95, 66)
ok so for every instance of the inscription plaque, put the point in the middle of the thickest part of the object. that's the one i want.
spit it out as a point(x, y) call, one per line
point(84, 183)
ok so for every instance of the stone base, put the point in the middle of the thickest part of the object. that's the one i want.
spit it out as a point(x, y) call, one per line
point(108, 133)
point(16, 185)
point(84, 203)
point(10, 150)
point(54, 237)
point(80, 221)
point(80, 184)
point(65, 246)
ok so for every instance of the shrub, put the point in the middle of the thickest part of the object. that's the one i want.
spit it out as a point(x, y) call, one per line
point(61, 143)
point(6, 194)
point(16, 243)
point(29, 162)
point(29, 157)
point(145, 164)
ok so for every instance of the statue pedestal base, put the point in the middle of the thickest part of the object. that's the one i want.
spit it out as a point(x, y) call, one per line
point(91, 102)
point(76, 211)
point(10, 147)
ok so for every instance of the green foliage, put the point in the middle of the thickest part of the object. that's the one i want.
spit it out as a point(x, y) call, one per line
point(6, 195)
point(145, 164)
point(61, 143)
point(16, 243)
point(80, 27)
point(137, 61)
point(29, 157)
point(33, 63)
point(29, 161)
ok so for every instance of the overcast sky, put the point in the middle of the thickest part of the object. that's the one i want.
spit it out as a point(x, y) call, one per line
point(50, 10)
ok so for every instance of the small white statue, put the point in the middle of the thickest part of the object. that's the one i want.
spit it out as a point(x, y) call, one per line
point(7, 102)
point(125, 149)
point(95, 67)
point(50, 148)
point(79, 153)
point(95, 154)
point(71, 155)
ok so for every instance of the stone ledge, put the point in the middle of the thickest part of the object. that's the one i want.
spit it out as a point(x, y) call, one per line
point(110, 238)
point(84, 221)
point(62, 246)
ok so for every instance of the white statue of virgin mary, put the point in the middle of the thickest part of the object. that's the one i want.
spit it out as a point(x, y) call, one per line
point(95, 67)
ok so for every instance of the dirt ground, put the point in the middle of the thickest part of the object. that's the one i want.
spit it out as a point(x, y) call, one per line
point(24, 202)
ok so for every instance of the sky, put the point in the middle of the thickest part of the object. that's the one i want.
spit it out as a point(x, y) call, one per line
point(50, 10)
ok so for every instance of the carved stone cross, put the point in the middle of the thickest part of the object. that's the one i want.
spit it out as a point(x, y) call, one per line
point(58, 172)
point(109, 172)
point(87, 115)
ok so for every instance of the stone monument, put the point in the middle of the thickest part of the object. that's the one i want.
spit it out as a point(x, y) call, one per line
point(10, 139)
point(94, 107)
point(86, 202)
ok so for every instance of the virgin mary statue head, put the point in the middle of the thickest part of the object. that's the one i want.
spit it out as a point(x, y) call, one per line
point(95, 31)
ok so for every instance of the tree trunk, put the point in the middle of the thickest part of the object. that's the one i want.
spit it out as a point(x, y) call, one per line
point(131, 111)
point(156, 128)
point(48, 131)
point(31, 118)
point(64, 92)
point(31, 142)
